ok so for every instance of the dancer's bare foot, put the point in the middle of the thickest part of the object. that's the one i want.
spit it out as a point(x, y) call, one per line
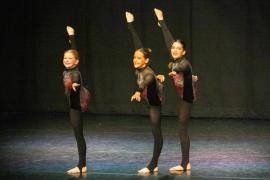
point(179, 173)
point(146, 170)
point(78, 175)
point(180, 168)
point(77, 170)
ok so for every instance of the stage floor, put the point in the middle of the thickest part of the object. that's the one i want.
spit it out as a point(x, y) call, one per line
point(43, 147)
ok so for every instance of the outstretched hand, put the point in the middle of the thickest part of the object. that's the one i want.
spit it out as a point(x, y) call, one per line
point(160, 77)
point(159, 14)
point(75, 85)
point(129, 17)
point(194, 78)
point(172, 73)
point(136, 96)
point(70, 30)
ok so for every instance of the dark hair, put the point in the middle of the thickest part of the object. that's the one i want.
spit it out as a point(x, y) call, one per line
point(146, 52)
point(180, 41)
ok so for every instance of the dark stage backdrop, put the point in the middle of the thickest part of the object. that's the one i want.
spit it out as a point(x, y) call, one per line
point(228, 46)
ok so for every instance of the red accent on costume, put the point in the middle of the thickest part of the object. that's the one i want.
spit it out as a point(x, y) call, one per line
point(84, 98)
point(179, 84)
point(67, 81)
point(144, 93)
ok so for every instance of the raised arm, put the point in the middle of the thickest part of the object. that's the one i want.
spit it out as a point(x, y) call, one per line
point(136, 40)
point(165, 31)
point(71, 35)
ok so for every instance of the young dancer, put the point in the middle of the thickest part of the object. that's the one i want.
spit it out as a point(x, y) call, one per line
point(185, 82)
point(72, 81)
point(150, 88)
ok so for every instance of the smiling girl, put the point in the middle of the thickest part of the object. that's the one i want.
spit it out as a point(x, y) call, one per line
point(185, 83)
point(150, 88)
point(72, 81)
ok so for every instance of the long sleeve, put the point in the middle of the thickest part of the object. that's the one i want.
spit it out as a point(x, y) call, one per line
point(148, 78)
point(136, 40)
point(166, 34)
point(76, 77)
point(145, 78)
point(183, 66)
point(72, 42)
point(70, 77)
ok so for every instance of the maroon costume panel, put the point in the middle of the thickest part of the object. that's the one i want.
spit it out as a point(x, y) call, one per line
point(179, 85)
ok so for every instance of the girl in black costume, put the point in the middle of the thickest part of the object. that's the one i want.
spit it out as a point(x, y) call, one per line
point(149, 87)
point(185, 83)
point(72, 81)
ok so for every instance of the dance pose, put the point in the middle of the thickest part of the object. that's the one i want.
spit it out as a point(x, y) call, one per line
point(185, 82)
point(150, 88)
point(72, 81)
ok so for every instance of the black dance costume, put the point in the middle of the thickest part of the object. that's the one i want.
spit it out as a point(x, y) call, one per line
point(73, 76)
point(186, 90)
point(151, 90)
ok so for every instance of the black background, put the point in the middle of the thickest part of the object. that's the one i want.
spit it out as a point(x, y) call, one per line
point(227, 44)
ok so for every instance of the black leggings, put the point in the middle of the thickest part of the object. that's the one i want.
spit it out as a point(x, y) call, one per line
point(183, 117)
point(77, 125)
point(154, 113)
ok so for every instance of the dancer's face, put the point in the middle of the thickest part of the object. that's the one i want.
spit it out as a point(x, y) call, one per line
point(139, 60)
point(177, 50)
point(69, 60)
